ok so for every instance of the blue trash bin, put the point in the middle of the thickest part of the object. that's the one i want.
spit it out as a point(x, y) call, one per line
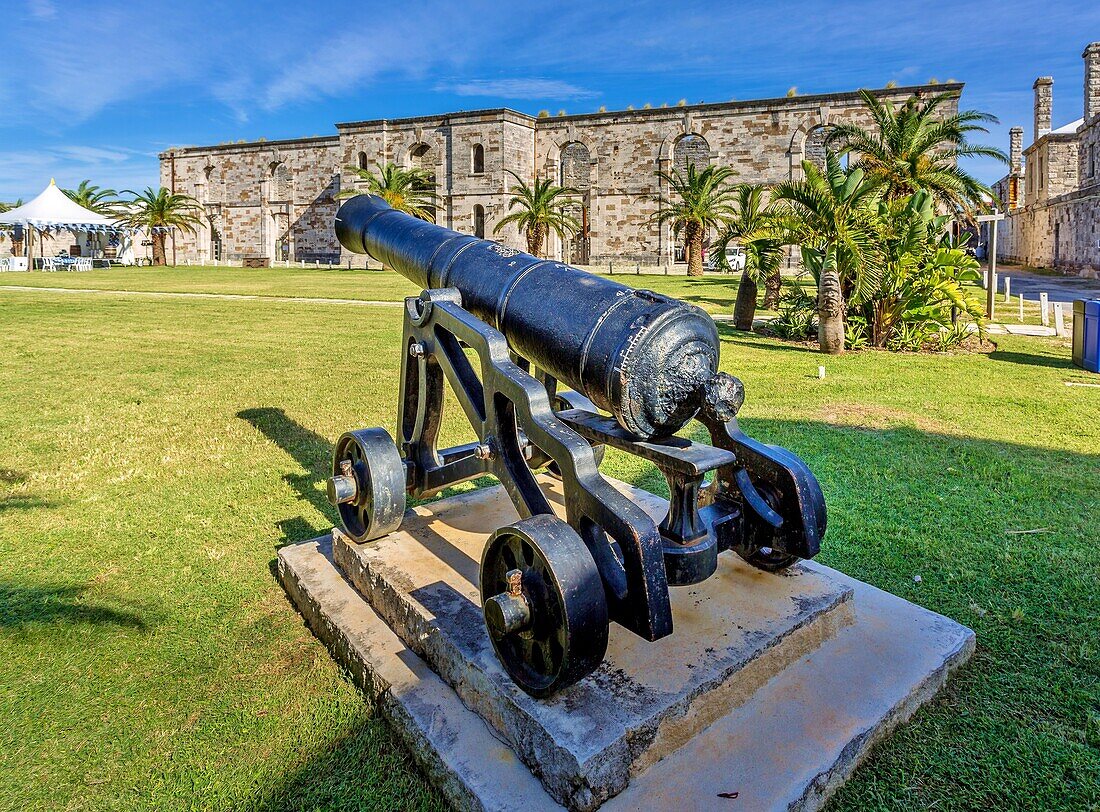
point(1086, 334)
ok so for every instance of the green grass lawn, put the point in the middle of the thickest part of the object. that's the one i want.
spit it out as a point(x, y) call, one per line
point(157, 452)
point(714, 293)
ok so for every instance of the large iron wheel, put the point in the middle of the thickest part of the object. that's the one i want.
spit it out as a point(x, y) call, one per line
point(544, 604)
point(368, 484)
point(755, 549)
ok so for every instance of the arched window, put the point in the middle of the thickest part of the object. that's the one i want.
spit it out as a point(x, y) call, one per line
point(478, 159)
point(422, 157)
point(479, 222)
point(280, 182)
point(361, 160)
point(576, 167)
point(692, 149)
point(813, 149)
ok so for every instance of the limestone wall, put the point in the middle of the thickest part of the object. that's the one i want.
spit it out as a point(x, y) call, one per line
point(272, 199)
point(276, 199)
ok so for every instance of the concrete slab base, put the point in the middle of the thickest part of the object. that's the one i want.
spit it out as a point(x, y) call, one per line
point(771, 687)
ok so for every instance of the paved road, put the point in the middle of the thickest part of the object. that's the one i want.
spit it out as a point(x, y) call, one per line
point(1057, 288)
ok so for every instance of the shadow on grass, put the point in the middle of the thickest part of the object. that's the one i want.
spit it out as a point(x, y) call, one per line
point(759, 341)
point(367, 769)
point(1032, 359)
point(311, 451)
point(23, 606)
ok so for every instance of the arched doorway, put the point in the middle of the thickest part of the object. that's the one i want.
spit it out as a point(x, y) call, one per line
point(576, 174)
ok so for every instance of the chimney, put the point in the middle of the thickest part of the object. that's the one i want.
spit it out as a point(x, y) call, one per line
point(1044, 93)
point(1016, 150)
point(1092, 81)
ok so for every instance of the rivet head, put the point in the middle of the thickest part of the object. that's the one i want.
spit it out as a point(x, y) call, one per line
point(416, 350)
point(483, 452)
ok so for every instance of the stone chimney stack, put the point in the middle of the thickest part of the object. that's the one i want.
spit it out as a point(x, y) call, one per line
point(1016, 150)
point(1044, 99)
point(1092, 81)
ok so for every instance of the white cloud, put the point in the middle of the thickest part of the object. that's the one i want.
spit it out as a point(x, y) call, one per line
point(519, 89)
point(42, 9)
point(25, 173)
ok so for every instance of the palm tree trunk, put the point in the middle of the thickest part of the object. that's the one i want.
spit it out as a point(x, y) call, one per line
point(830, 313)
point(534, 240)
point(773, 285)
point(693, 244)
point(158, 248)
point(744, 308)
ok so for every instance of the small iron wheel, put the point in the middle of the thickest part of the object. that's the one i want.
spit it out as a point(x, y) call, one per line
point(544, 604)
point(367, 484)
point(761, 555)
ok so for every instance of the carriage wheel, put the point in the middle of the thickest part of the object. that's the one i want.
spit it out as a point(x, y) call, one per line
point(544, 604)
point(368, 484)
point(756, 551)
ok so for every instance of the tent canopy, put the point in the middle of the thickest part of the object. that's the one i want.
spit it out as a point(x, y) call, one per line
point(53, 208)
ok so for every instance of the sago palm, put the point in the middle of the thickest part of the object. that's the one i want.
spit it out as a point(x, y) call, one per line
point(540, 208)
point(697, 202)
point(753, 228)
point(833, 216)
point(917, 147)
point(158, 211)
point(407, 190)
point(93, 198)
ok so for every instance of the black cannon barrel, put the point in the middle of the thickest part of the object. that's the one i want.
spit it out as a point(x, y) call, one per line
point(641, 356)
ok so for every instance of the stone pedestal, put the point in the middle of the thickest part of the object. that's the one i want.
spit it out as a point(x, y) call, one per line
point(771, 686)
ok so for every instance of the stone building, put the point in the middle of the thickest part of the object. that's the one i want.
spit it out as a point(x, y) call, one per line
point(276, 198)
point(1051, 195)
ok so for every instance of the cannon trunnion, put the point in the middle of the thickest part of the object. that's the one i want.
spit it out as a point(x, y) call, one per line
point(508, 333)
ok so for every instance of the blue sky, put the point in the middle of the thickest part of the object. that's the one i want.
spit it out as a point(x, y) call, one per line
point(95, 89)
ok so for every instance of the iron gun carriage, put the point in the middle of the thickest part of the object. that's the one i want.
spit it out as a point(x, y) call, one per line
point(550, 365)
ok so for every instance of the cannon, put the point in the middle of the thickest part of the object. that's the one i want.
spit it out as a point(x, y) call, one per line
point(551, 365)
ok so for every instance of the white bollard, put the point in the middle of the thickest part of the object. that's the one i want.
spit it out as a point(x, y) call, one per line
point(1021, 307)
point(1008, 290)
point(1044, 309)
point(1059, 320)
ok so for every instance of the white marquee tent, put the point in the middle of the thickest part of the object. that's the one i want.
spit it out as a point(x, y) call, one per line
point(54, 211)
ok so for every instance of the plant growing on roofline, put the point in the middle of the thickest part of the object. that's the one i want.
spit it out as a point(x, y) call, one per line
point(408, 190)
point(158, 211)
point(917, 147)
point(541, 207)
point(753, 227)
point(697, 202)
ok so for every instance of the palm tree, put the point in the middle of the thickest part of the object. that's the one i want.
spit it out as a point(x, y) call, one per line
point(158, 211)
point(916, 146)
point(16, 245)
point(540, 208)
point(93, 197)
point(697, 202)
point(407, 190)
point(753, 228)
point(833, 216)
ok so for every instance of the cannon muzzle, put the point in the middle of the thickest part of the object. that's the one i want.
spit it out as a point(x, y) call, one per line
point(648, 359)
